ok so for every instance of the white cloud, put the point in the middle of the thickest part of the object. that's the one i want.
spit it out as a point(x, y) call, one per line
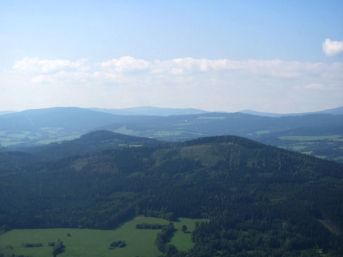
point(47, 65)
point(125, 64)
point(218, 84)
point(125, 68)
point(331, 47)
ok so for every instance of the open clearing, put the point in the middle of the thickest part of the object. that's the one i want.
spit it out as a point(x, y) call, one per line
point(92, 242)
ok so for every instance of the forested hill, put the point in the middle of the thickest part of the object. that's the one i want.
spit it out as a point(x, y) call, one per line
point(317, 134)
point(260, 200)
point(95, 141)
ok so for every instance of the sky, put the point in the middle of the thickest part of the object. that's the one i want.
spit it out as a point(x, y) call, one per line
point(274, 56)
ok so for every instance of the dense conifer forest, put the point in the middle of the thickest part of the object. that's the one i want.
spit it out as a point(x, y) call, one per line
point(259, 200)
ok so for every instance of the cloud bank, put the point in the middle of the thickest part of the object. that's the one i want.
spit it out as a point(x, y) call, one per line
point(331, 47)
point(130, 68)
point(215, 84)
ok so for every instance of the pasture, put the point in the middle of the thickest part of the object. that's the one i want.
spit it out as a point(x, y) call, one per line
point(92, 242)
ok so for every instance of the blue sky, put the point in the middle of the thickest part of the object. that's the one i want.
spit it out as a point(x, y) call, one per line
point(98, 31)
point(169, 29)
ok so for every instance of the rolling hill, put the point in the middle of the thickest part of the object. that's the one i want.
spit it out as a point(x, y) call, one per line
point(42, 126)
point(67, 118)
point(316, 134)
point(92, 142)
point(260, 200)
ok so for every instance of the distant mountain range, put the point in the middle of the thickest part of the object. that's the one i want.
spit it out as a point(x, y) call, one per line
point(333, 111)
point(151, 111)
point(319, 134)
point(162, 111)
point(59, 118)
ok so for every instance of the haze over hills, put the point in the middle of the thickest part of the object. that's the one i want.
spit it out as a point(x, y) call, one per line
point(41, 126)
point(275, 194)
point(66, 118)
point(163, 111)
point(5, 112)
point(338, 110)
point(171, 128)
point(152, 111)
point(334, 111)
point(317, 134)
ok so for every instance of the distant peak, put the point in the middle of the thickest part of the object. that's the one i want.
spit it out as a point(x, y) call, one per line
point(151, 111)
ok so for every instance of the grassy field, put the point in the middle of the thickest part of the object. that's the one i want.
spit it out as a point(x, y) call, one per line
point(43, 136)
point(183, 241)
point(91, 242)
point(325, 147)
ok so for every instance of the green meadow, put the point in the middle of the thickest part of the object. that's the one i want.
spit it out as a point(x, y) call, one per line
point(92, 242)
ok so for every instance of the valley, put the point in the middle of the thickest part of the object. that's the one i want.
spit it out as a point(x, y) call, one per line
point(318, 134)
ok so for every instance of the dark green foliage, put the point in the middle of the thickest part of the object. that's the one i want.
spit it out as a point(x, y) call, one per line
point(149, 226)
point(58, 248)
point(29, 245)
point(15, 161)
point(163, 239)
point(117, 244)
point(170, 250)
point(184, 229)
point(92, 142)
point(260, 200)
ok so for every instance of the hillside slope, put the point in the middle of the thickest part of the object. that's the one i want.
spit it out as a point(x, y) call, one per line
point(316, 134)
point(261, 200)
point(95, 141)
